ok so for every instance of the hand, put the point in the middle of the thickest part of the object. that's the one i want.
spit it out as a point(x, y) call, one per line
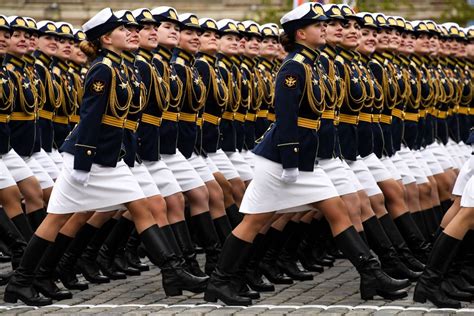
point(80, 176)
point(290, 175)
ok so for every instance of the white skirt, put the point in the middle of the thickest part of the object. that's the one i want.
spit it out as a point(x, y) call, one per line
point(432, 162)
point(6, 179)
point(388, 163)
point(267, 193)
point(463, 177)
point(47, 163)
point(423, 164)
point(211, 165)
point(183, 171)
point(376, 168)
point(163, 177)
point(416, 170)
point(145, 180)
point(442, 155)
point(242, 167)
point(467, 198)
point(201, 167)
point(43, 177)
point(402, 168)
point(108, 189)
point(224, 164)
point(365, 177)
point(249, 157)
point(17, 166)
point(339, 175)
point(57, 158)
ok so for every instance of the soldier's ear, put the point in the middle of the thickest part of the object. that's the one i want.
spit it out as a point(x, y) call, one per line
point(300, 34)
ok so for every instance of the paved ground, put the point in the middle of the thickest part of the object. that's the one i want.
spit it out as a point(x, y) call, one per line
point(333, 292)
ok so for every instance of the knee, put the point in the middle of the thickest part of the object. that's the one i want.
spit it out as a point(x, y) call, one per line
point(175, 203)
point(256, 222)
point(425, 190)
point(11, 195)
point(238, 185)
point(467, 216)
point(215, 191)
point(157, 204)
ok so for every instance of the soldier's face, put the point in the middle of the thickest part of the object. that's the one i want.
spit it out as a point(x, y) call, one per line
point(269, 47)
point(434, 45)
point(252, 46)
point(383, 36)
point(48, 44)
point(334, 32)
point(19, 43)
point(149, 36)
point(168, 34)
point(209, 42)
point(350, 34)
point(4, 41)
point(77, 55)
point(368, 41)
point(470, 50)
point(133, 42)
point(462, 50)
point(64, 48)
point(394, 42)
point(117, 40)
point(33, 43)
point(189, 41)
point(422, 44)
point(313, 35)
point(407, 43)
point(229, 44)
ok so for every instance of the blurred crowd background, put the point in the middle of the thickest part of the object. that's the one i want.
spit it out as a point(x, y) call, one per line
point(78, 11)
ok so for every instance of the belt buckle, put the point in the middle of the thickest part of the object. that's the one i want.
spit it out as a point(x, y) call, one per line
point(177, 116)
point(124, 123)
point(357, 120)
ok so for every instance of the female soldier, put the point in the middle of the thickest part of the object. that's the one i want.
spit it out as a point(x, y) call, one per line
point(92, 163)
point(289, 146)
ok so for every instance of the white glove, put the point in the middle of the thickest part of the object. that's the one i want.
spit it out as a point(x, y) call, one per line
point(80, 176)
point(471, 162)
point(290, 175)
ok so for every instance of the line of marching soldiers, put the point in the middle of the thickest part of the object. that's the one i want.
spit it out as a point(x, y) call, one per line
point(157, 133)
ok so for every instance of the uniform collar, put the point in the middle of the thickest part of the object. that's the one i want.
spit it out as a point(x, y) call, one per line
point(346, 54)
point(378, 57)
point(249, 62)
point(164, 53)
point(210, 59)
point(128, 57)
point(330, 51)
point(266, 63)
point(417, 60)
point(15, 61)
point(364, 59)
point(74, 68)
point(60, 64)
point(187, 57)
point(45, 59)
point(117, 59)
point(388, 55)
point(225, 60)
point(404, 59)
point(236, 60)
point(146, 54)
point(307, 52)
point(29, 59)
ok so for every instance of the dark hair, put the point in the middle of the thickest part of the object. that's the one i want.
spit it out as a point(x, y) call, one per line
point(288, 41)
point(90, 48)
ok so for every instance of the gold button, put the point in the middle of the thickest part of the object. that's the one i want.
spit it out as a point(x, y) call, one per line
point(89, 152)
point(295, 150)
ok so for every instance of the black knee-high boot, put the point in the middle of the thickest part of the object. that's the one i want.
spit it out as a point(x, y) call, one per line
point(431, 223)
point(117, 238)
point(175, 277)
point(445, 205)
point(131, 252)
point(13, 239)
point(180, 230)
point(23, 225)
point(66, 266)
point(373, 281)
point(400, 245)
point(253, 275)
point(35, 218)
point(20, 286)
point(305, 252)
point(44, 279)
point(419, 219)
point(222, 284)
point(412, 235)
point(223, 227)
point(287, 257)
point(267, 265)
point(87, 263)
point(235, 217)
point(382, 246)
point(429, 284)
point(207, 237)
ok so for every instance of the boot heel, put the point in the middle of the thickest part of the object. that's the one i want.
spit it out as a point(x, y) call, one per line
point(418, 297)
point(210, 297)
point(10, 297)
point(172, 291)
point(367, 294)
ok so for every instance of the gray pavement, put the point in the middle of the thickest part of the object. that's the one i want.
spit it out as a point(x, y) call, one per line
point(334, 292)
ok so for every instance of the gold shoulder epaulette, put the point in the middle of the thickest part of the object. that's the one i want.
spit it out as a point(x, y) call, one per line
point(39, 62)
point(56, 71)
point(222, 64)
point(107, 61)
point(299, 58)
point(180, 61)
point(323, 53)
point(339, 59)
point(10, 67)
point(141, 58)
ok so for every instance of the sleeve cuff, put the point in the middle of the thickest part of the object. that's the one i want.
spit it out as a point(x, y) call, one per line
point(289, 155)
